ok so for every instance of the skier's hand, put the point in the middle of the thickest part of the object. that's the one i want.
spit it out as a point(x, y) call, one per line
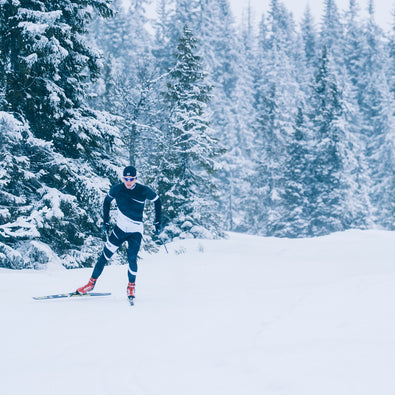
point(158, 228)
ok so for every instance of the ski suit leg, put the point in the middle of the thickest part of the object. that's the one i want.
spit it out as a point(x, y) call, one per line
point(134, 242)
point(114, 241)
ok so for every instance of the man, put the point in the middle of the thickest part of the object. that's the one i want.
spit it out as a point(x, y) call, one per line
point(130, 197)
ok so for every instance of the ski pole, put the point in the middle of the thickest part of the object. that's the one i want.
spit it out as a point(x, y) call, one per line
point(164, 245)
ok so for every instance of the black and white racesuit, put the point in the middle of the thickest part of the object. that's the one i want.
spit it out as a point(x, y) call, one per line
point(129, 226)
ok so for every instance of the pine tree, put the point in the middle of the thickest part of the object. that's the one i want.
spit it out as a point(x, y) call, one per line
point(332, 162)
point(309, 37)
point(163, 48)
point(228, 74)
point(332, 31)
point(188, 159)
point(277, 94)
point(126, 86)
point(392, 56)
point(114, 37)
point(46, 68)
point(298, 176)
point(353, 42)
point(240, 140)
point(173, 15)
point(376, 104)
point(353, 59)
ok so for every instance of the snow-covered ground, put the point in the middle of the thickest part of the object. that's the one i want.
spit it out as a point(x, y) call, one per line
point(242, 316)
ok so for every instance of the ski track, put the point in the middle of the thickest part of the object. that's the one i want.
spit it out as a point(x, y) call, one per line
point(246, 315)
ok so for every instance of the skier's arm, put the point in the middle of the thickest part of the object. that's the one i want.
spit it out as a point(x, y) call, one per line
point(158, 211)
point(106, 208)
point(153, 197)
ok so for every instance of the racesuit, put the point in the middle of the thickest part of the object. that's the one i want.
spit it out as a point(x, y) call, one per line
point(129, 226)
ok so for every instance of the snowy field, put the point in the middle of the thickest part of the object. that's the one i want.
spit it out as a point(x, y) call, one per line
point(242, 316)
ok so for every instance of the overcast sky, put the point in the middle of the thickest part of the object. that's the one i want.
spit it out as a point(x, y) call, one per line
point(383, 8)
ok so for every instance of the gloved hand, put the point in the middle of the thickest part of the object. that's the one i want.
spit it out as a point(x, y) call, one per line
point(105, 228)
point(158, 228)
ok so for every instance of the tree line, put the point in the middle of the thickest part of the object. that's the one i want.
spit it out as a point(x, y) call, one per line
point(270, 127)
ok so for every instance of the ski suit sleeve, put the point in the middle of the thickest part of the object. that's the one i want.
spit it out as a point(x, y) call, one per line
point(106, 207)
point(151, 195)
point(158, 211)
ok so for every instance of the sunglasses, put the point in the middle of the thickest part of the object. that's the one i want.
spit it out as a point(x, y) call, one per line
point(129, 178)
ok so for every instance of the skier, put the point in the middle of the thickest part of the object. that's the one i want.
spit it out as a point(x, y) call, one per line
point(130, 198)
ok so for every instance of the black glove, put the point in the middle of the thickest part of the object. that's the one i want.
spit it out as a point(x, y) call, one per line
point(158, 228)
point(105, 227)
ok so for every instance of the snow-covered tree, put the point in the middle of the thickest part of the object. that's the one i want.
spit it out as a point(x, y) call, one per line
point(173, 15)
point(48, 67)
point(298, 180)
point(127, 86)
point(332, 31)
point(330, 196)
point(376, 104)
point(188, 159)
point(309, 36)
point(277, 94)
point(392, 56)
point(307, 120)
point(228, 70)
point(63, 147)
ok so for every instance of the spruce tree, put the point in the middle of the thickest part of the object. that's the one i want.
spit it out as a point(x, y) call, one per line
point(330, 195)
point(298, 176)
point(332, 31)
point(188, 159)
point(392, 57)
point(64, 158)
point(127, 85)
point(49, 67)
point(241, 142)
point(163, 48)
point(277, 95)
point(173, 15)
point(309, 36)
point(376, 103)
point(228, 73)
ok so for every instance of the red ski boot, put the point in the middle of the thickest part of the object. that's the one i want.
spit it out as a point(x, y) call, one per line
point(88, 287)
point(130, 292)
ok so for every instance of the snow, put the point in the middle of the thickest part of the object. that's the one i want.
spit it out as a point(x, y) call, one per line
point(245, 315)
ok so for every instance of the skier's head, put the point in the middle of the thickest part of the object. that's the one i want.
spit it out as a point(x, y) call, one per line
point(129, 171)
point(129, 176)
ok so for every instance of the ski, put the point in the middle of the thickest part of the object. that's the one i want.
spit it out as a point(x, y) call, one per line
point(70, 295)
point(131, 300)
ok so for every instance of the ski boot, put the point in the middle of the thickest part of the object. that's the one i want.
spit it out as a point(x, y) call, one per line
point(130, 292)
point(88, 287)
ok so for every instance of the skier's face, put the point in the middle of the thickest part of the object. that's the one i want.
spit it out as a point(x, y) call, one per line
point(129, 181)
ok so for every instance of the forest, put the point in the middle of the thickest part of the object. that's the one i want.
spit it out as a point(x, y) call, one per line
point(272, 127)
